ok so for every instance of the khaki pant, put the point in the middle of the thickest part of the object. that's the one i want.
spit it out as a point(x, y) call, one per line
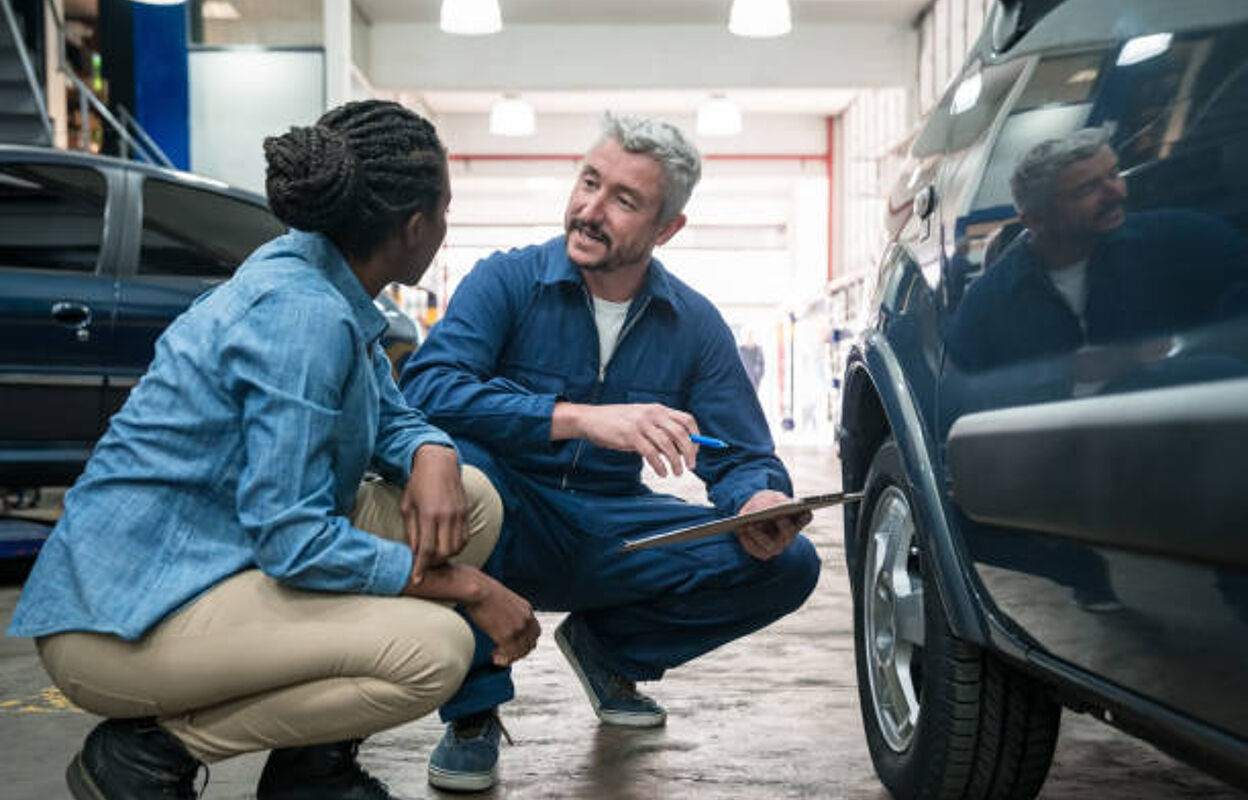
point(254, 665)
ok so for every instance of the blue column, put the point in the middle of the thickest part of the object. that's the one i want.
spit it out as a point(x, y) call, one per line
point(161, 78)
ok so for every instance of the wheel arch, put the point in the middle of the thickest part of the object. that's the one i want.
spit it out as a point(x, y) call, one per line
point(872, 410)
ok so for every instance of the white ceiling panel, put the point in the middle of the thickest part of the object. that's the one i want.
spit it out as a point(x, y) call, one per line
point(676, 12)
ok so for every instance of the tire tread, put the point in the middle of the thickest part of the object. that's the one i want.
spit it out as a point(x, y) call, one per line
point(986, 731)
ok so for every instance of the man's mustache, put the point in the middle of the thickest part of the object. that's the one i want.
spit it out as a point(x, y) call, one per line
point(589, 229)
point(1109, 210)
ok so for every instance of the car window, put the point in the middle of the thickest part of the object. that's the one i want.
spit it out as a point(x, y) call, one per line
point(977, 100)
point(1130, 271)
point(198, 232)
point(51, 217)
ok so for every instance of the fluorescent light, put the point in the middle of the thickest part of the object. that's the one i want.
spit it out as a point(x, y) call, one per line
point(967, 93)
point(760, 18)
point(219, 9)
point(1142, 48)
point(471, 17)
point(1082, 76)
point(512, 116)
point(719, 116)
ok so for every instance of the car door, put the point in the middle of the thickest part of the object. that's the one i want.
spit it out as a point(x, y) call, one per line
point(1099, 480)
point(56, 314)
point(193, 235)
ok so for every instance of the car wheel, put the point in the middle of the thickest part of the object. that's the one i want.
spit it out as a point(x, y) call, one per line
point(943, 717)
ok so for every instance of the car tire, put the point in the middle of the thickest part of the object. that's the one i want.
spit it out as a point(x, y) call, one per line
point(943, 717)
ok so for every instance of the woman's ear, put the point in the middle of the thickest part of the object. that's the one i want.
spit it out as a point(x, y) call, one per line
point(412, 230)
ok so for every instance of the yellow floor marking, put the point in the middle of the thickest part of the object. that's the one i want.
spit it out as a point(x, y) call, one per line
point(49, 700)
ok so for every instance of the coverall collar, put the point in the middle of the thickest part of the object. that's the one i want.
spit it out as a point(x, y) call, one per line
point(1031, 269)
point(560, 269)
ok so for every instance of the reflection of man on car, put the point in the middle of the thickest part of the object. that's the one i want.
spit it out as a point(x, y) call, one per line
point(1086, 272)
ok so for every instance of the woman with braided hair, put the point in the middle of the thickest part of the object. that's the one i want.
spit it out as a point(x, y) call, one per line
point(223, 579)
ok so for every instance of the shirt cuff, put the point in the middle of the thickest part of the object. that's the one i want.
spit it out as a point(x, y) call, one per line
point(439, 438)
point(394, 567)
point(543, 410)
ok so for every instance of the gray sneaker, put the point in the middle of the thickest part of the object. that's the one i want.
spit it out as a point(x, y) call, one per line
point(615, 699)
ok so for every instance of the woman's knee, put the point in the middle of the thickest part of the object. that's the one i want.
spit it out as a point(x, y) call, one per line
point(96, 672)
point(485, 517)
point(485, 507)
point(439, 655)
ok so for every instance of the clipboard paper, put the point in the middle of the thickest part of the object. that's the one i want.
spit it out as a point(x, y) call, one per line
point(797, 506)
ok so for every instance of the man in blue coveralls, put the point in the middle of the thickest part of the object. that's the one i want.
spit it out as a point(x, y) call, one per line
point(557, 369)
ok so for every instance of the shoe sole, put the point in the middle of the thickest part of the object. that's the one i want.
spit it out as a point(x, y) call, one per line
point(461, 781)
point(623, 719)
point(81, 786)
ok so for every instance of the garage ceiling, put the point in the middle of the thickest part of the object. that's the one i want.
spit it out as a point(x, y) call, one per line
point(576, 56)
point(665, 12)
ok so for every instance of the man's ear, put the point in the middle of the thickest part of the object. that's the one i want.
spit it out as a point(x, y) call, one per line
point(669, 229)
point(1032, 222)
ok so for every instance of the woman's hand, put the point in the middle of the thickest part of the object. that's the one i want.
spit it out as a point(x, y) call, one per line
point(435, 508)
point(507, 618)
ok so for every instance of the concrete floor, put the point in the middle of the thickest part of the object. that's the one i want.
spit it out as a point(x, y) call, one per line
point(772, 716)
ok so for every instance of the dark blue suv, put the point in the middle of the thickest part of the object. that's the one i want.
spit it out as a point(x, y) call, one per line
point(1048, 414)
point(97, 256)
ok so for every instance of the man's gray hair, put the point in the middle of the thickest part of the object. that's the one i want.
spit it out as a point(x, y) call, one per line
point(663, 142)
point(1035, 177)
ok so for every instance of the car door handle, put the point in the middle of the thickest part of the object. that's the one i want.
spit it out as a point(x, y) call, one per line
point(75, 315)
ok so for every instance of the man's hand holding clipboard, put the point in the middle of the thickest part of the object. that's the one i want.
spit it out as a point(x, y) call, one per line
point(764, 530)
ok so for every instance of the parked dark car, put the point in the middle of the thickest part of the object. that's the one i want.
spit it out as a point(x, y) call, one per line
point(1055, 489)
point(97, 256)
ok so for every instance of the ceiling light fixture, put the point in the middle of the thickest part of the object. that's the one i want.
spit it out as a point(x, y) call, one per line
point(760, 18)
point(719, 116)
point(512, 116)
point(471, 17)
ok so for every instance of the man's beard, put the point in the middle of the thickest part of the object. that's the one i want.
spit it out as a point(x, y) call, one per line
point(1104, 215)
point(606, 263)
point(616, 257)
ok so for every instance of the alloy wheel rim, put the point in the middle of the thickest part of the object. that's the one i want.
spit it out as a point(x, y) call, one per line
point(893, 618)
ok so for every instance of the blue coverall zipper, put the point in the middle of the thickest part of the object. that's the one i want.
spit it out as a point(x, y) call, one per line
point(602, 371)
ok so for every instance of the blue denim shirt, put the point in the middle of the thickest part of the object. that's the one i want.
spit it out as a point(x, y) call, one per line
point(243, 446)
point(519, 334)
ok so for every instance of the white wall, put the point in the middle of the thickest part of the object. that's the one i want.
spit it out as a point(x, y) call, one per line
point(640, 56)
point(572, 134)
point(238, 97)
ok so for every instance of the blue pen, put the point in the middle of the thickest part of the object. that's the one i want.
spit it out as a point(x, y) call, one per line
point(709, 441)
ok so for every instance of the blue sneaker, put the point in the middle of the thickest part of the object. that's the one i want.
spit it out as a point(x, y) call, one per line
point(466, 759)
point(615, 699)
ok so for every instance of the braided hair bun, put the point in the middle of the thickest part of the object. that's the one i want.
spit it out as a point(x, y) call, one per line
point(312, 179)
point(356, 175)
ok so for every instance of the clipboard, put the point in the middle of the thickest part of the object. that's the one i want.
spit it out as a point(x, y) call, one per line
point(809, 503)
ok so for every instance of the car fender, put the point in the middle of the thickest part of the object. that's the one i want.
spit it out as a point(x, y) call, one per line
point(876, 386)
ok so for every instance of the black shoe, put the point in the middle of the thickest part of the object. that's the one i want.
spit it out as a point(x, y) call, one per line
point(319, 772)
point(132, 759)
